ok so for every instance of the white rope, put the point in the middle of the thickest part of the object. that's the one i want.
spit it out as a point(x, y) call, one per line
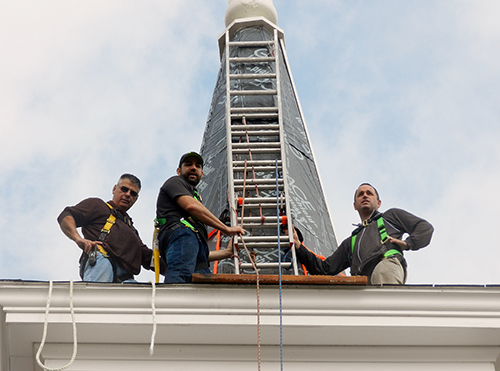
point(153, 312)
point(45, 325)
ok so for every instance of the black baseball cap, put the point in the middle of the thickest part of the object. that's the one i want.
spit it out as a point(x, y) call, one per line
point(190, 154)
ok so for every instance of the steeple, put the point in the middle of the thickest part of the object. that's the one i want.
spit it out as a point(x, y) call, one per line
point(259, 166)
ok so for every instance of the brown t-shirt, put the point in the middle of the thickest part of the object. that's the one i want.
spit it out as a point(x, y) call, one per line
point(122, 243)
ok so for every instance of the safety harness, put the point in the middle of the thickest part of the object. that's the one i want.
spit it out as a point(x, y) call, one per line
point(384, 237)
point(91, 257)
point(188, 222)
point(173, 224)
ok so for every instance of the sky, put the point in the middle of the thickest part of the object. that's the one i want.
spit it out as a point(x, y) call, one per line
point(400, 94)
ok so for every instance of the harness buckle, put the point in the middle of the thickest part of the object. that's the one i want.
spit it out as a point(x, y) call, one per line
point(189, 225)
point(386, 239)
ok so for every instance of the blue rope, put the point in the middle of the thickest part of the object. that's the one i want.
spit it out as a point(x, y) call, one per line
point(279, 265)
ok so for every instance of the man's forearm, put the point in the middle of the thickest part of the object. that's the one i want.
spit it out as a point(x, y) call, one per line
point(68, 226)
point(200, 212)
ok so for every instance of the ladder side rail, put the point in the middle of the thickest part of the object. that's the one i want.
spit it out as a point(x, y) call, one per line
point(283, 158)
point(230, 180)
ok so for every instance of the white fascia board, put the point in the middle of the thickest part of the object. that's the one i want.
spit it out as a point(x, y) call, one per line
point(319, 320)
point(329, 315)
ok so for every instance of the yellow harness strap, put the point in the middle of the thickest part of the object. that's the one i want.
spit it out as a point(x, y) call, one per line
point(105, 231)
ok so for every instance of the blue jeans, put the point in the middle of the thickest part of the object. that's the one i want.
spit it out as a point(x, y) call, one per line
point(102, 271)
point(183, 252)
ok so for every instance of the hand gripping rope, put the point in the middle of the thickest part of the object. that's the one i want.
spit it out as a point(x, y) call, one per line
point(44, 337)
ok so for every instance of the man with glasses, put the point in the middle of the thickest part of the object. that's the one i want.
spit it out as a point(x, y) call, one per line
point(182, 217)
point(112, 250)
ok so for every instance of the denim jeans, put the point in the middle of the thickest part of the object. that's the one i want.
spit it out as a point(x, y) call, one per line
point(102, 271)
point(183, 252)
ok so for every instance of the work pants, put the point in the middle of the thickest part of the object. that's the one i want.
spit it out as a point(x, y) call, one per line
point(102, 271)
point(389, 271)
point(184, 252)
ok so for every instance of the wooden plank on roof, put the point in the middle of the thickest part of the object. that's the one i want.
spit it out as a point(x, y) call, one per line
point(274, 279)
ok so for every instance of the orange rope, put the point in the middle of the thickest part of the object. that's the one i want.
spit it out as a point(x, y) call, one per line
point(262, 218)
point(257, 278)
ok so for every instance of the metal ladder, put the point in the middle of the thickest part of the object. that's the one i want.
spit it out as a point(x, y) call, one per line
point(255, 142)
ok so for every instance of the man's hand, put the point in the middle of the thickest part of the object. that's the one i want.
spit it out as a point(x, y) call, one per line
point(233, 231)
point(221, 254)
point(296, 241)
point(228, 251)
point(401, 244)
point(84, 244)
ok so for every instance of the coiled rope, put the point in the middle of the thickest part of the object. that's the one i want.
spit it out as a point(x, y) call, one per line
point(45, 325)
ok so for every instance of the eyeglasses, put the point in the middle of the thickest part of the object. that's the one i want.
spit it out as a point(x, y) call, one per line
point(132, 192)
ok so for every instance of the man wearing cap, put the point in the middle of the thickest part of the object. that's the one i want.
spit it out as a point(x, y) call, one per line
point(183, 236)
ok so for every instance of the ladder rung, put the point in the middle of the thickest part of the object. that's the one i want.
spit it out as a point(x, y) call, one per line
point(257, 145)
point(256, 168)
point(256, 200)
point(253, 109)
point(246, 76)
point(284, 265)
point(256, 133)
point(276, 150)
point(266, 245)
point(257, 127)
point(252, 59)
point(260, 187)
point(251, 43)
point(256, 163)
point(250, 226)
point(253, 92)
point(263, 115)
point(258, 219)
point(249, 239)
point(258, 181)
point(258, 206)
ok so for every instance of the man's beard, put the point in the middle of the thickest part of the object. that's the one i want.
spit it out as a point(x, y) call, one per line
point(194, 183)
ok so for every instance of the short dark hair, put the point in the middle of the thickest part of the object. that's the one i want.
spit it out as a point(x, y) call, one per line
point(133, 179)
point(368, 184)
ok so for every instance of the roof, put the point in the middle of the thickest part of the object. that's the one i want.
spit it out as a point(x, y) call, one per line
point(210, 322)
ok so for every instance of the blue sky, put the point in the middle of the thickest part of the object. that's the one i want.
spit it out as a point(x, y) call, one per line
point(403, 95)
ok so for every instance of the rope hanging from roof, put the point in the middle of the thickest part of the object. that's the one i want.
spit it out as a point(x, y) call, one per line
point(153, 314)
point(254, 267)
point(45, 325)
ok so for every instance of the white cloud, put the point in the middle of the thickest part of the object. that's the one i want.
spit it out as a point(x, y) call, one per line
point(400, 94)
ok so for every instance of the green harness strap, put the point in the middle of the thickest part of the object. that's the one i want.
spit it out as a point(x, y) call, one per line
point(161, 221)
point(384, 237)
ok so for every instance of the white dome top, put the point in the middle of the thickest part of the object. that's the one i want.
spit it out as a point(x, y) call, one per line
point(250, 8)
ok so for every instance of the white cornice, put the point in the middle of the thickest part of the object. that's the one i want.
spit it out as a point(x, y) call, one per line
point(312, 316)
